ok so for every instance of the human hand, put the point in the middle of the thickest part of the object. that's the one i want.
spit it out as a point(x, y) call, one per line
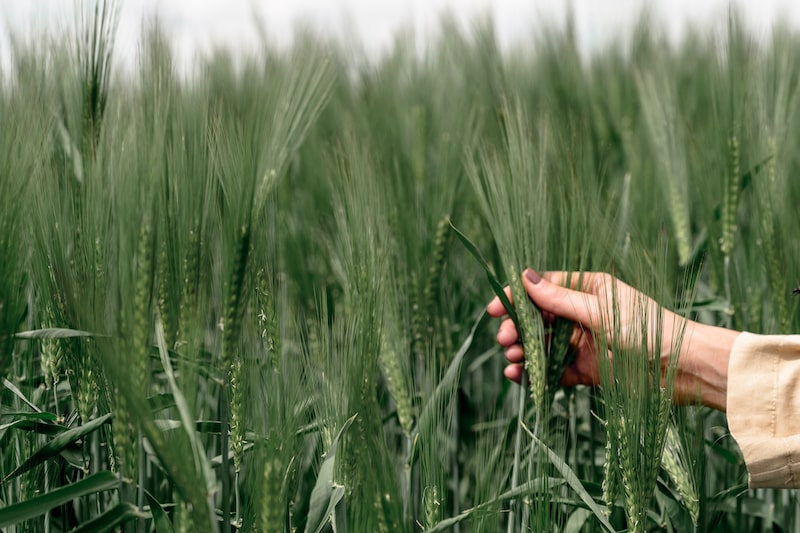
point(601, 299)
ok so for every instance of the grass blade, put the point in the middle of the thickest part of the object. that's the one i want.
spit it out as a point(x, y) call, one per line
point(326, 494)
point(59, 443)
point(53, 333)
point(536, 485)
point(160, 519)
point(39, 505)
point(35, 426)
point(187, 421)
point(497, 287)
point(114, 517)
point(18, 393)
point(573, 481)
point(450, 380)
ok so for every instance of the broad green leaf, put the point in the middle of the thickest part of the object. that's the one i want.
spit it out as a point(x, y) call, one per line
point(160, 519)
point(339, 513)
point(577, 520)
point(59, 443)
point(111, 519)
point(573, 481)
point(497, 287)
point(334, 504)
point(39, 505)
point(34, 426)
point(325, 494)
point(33, 416)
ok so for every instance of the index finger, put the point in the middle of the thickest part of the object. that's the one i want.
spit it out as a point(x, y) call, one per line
point(589, 282)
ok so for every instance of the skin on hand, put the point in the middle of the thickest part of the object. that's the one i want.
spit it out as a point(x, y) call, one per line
point(704, 354)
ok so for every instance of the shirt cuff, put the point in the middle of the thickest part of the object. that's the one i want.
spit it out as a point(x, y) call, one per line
point(763, 405)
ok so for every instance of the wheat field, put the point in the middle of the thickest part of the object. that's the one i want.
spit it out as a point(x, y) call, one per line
point(253, 297)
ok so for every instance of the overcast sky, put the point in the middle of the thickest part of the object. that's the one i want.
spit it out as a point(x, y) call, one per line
point(195, 25)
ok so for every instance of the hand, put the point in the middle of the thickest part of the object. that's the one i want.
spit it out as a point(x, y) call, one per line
point(702, 366)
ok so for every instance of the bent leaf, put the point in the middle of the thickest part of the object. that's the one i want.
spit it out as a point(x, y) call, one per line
point(497, 287)
point(325, 494)
point(117, 515)
point(39, 505)
point(160, 519)
point(59, 443)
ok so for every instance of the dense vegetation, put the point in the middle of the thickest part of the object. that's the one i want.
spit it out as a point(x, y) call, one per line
point(235, 298)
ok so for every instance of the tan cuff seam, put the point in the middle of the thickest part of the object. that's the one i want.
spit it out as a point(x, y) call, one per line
point(791, 464)
point(773, 403)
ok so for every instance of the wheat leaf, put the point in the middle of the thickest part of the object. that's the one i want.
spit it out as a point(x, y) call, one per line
point(29, 509)
point(201, 462)
point(54, 333)
point(160, 519)
point(450, 380)
point(18, 393)
point(55, 446)
point(108, 521)
point(326, 494)
point(497, 287)
point(573, 481)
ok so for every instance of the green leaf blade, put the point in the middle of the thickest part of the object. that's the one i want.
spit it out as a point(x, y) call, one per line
point(39, 505)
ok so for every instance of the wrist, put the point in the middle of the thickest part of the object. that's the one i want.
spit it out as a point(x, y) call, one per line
point(702, 375)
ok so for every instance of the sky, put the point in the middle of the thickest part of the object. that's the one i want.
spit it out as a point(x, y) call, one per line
point(195, 26)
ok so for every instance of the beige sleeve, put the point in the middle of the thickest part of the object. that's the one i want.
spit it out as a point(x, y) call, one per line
point(764, 407)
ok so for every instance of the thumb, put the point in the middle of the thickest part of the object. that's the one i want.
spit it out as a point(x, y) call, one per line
point(573, 305)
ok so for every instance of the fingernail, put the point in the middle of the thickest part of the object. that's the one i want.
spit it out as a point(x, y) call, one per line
point(533, 276)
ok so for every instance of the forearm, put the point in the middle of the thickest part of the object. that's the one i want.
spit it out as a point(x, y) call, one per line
point(703, 365)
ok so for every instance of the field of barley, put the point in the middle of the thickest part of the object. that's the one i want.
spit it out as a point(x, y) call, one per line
point(253, 297)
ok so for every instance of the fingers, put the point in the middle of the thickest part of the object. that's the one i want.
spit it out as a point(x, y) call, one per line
point(513, 372)
point(507, 333)
point(515, 354)
point(547, 293)
point(495, 307)
point(590, 282)
point(573, 296)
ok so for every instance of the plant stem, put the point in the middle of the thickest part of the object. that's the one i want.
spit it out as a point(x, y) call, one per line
point(225, 467)
point(512, 516)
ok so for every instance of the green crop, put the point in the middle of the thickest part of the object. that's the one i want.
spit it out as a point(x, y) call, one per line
point(234, 298)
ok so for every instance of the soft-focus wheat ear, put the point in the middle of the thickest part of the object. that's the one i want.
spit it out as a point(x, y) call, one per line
point(510, 187)
point(666, 139)
point(95, 45)
point(730, 202)
point(273, 499)
point(395, 364)
point(22, 166)
point(773, 254)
